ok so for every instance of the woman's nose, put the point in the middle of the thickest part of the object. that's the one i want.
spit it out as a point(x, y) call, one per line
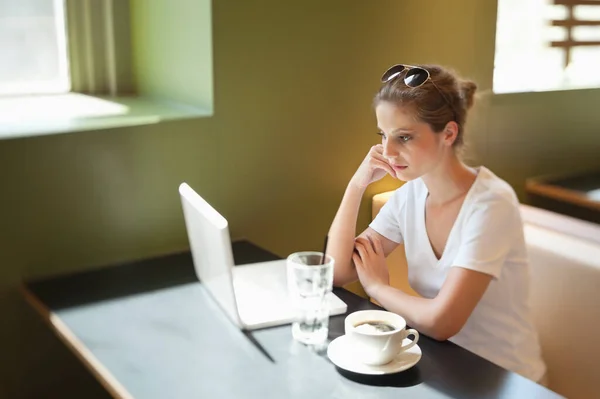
point(388, 150)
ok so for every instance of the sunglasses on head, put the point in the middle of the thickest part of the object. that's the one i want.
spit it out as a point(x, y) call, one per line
point(414, 77)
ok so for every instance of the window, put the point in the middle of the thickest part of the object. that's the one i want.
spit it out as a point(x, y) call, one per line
point(57, 46)
point(544, 45)
point(33, 47)
point(71, 65)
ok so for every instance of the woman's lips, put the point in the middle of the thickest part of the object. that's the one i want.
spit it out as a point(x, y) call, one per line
point(399, 168)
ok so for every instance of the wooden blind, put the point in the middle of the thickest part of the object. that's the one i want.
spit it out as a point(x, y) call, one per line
point(570, 22)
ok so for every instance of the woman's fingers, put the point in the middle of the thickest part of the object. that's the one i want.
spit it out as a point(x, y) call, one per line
point(360, 248)
point(385, 166)
point(365, 243)
point(377, 245)
point(379, 160)
point(357, 260)
point(376, 149)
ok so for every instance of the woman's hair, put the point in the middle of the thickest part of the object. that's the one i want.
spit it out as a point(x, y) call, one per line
point(431, 106)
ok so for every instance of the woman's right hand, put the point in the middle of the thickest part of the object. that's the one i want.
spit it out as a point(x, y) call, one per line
point(374, 167)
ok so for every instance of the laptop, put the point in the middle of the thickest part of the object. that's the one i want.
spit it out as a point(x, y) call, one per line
point(254, 295)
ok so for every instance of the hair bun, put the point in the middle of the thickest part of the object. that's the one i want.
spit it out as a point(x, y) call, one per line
point(467, 91)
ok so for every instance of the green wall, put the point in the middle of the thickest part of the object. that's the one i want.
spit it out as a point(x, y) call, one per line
point(293, 83)
point(172, 55)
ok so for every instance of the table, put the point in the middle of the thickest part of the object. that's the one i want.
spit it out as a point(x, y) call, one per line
point(148, 329)
point(573, 195)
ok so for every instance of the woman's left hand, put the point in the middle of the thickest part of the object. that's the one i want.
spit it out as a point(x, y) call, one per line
point(369, 260)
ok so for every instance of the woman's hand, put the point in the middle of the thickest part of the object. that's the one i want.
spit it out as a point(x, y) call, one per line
point(369, 260)
point(374, 167)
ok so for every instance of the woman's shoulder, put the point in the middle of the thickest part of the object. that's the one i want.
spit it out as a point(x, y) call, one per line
point(493, 198)
point(489, 188)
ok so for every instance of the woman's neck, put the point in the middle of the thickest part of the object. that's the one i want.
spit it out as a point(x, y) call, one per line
point(449, 180)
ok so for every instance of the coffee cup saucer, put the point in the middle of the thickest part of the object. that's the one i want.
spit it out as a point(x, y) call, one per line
point(341, 354)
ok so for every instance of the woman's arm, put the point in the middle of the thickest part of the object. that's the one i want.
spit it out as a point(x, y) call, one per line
point(441, 317)
point(387, 245)
point(445, 315)
point(342, 232)
point(340, 242)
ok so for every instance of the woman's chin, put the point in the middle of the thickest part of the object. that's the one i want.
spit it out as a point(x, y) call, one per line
point(404, 175)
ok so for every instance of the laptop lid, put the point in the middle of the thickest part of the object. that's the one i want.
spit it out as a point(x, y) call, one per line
point(210, 244)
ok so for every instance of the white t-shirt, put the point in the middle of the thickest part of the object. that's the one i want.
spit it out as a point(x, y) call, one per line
point(488, 237)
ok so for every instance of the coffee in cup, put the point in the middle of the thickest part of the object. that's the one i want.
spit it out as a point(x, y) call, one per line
point(376, 336)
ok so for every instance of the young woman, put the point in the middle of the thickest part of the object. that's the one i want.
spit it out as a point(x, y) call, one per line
point(460, 225)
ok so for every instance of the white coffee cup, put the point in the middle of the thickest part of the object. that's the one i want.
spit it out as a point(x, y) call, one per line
point(376, 348)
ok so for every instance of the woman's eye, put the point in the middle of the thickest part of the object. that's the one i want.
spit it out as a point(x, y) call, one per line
point(404, 139)
point(382, 135)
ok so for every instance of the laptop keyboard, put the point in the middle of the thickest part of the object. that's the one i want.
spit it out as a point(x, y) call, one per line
point(261, 292)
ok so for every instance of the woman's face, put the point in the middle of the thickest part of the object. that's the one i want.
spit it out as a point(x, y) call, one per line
point(411, 147)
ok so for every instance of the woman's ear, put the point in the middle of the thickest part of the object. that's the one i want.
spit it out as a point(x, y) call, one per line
point(450, 133)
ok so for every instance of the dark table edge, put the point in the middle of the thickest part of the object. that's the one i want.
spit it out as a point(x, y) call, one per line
point(60, 329)
point(556, 192)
